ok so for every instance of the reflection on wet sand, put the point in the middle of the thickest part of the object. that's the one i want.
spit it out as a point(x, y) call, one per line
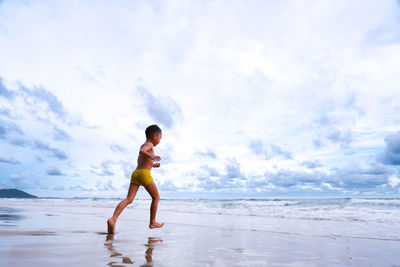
point(149, 251)
point(115, 254)
point(9, 216)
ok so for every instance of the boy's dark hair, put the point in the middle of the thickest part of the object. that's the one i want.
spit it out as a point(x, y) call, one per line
point(152, 129)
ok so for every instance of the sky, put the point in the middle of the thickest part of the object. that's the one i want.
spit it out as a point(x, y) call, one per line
point(255, 98)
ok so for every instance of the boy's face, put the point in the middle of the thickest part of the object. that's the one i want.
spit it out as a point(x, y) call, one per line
point(157, 138)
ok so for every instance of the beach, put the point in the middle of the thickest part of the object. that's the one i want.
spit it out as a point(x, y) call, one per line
point(268, 232)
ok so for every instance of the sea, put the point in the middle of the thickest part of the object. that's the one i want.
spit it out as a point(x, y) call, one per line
point(202, 232)
point(359, 217)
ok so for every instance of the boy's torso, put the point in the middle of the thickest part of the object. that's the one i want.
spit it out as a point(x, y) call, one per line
point(144, 162)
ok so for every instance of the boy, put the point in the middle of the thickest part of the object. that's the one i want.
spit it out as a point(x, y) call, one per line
point(141, 176)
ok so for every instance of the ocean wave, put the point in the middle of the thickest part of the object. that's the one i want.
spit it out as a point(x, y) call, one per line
point(321, 209)
point(377, 201)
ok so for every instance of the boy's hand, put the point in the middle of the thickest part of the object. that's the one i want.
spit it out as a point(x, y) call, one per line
point(156, 158)
point(157, 165)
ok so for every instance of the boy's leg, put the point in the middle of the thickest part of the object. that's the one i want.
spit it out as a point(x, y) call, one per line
point(152, 190)
point(133, 188)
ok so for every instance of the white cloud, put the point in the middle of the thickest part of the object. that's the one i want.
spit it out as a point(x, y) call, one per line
point(394, 181)
point(281, 87)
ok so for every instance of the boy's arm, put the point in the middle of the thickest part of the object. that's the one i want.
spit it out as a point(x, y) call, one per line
point(144, 151)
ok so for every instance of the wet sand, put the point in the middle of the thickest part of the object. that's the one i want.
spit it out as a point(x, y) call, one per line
point(40, 235)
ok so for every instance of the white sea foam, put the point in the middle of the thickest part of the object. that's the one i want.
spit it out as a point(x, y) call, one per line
point(364, 210)
point(338, 209)
point(380, 201)
point(371, 218)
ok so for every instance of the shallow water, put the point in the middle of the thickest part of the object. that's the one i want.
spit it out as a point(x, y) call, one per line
point(241, 232)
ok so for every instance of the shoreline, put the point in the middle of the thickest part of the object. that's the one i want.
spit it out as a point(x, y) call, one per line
point(73, 232)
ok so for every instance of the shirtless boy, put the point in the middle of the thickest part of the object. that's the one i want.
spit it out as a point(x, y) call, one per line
point(141, 176)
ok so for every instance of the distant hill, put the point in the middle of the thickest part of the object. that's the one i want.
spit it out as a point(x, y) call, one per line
point(14, 193)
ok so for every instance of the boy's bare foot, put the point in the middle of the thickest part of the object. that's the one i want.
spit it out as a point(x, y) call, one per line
point(109, 237)
point(156, 225)
point(111, 226)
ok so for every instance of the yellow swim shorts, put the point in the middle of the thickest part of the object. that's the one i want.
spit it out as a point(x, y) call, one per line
point(141, 177)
